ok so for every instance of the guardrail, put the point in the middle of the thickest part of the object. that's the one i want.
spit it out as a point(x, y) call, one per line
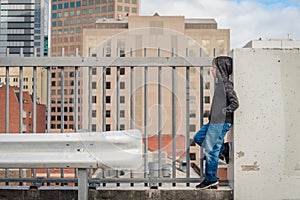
point(173, 64)
point(114, 149)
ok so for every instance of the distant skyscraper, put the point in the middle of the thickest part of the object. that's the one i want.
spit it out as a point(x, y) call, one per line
point(68, 19)
point(21, 26)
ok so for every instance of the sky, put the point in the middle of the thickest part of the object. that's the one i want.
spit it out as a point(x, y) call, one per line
point(247, 19)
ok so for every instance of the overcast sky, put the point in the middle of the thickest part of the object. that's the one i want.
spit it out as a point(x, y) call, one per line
point(247, 19)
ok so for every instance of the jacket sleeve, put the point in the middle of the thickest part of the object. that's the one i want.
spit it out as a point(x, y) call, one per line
point(233, 102)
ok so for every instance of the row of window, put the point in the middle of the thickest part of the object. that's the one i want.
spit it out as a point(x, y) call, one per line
point(103, 9)
point(72, 22)
point(66, 109)
point(66, 92)
point(77, 4)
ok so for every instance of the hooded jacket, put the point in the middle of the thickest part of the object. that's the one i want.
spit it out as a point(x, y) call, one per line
point(225, 101)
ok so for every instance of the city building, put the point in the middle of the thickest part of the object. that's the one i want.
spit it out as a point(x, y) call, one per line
point(68, 20)
point(129, 36)
point(22, 27)
point(14, 112)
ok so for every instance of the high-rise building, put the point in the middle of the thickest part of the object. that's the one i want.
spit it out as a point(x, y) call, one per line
point(21, 27)
point(68, 20)
point(129, 37)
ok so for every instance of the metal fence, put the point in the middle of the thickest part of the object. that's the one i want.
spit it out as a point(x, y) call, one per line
point(131, 63)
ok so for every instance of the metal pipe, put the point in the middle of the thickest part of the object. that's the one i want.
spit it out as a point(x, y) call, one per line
point(146, 117)
point(173, 121)
point(159, 117)
point(187, 120)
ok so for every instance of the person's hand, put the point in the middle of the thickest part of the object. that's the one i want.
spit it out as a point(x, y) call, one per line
point(224, 111)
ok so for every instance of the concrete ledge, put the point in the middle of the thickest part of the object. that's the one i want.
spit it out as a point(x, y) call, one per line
point(141, 194)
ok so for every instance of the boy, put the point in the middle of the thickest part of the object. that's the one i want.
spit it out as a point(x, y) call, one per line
point(211, 135)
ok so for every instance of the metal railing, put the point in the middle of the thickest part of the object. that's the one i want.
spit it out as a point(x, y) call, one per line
point(131, 64)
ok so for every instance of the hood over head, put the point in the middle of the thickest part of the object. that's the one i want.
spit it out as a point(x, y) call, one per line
point(224, 66)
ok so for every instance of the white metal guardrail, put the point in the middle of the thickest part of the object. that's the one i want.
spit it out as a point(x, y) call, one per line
point(114, 149)
point(132, 64)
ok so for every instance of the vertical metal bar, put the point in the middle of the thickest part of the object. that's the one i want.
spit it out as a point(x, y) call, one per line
point(82, 184)
point(131, 106)
point(187, 120)
point(118, 95)
point(48, 100)
point(201, 115)
point(7, 108)
point(214, 52)
point(76, 105)
point(118, 104)
point(146, 117)
point(90, 94)
point(62, 96)
point(90, 99)
point(76, 95)
point(48, 111)
point(173, 120)
point(21, 108)
point(7, 102)
point(104, 97)
point(62, 128)
point(34, 102)
point(159, 117)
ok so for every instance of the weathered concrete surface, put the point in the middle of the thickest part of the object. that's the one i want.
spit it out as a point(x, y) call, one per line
point(109, 194)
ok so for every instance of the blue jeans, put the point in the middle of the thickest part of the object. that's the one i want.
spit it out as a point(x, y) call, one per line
point(211, 136)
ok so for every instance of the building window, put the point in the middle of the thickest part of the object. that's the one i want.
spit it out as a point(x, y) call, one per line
point(120, 8)
point(54, 7)
point(77, 12)
point(94, 112)
point(122, 113)
point(127, 1)
point(127, 9)
point(103, 1)
point(60, 6)
point(110, 8)
point(91, 2)
point(72, 4)
point(84, 11)
point(207, 99)
point(78, 3)
point(192, 114)
point(94, 127)
point(72, 13)
point(94, 71)
point(84, 3)
point(122, 71)
point(133, 1)
point(58, 118)
point(94, 85)
point(103, 8)
point(94, 99)
point(108, 99)
point(108, 114)
point(122, 127)
point(71, 109)
point(107, 127)
point(108, 71)
point(134, 10)
point(192, 127)
point(71, 118)
point(97, 10)
point(122, 99)
point(54, 15)
point(122, 85)
point(108, 86)
point(53, 117)
point(206, 113)
point(192, 156)
point(207, 86)
point(91, 11)
point(78, 30)
point(66, 5)
point(97, 1)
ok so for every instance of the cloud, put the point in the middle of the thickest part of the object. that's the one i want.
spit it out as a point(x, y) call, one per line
point(246, 19)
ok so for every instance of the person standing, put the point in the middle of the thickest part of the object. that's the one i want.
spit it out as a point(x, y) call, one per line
point(211, 135)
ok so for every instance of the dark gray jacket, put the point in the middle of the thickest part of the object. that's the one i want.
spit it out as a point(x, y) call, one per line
point(225, 101)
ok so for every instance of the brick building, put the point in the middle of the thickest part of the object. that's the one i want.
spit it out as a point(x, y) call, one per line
point(14, 116)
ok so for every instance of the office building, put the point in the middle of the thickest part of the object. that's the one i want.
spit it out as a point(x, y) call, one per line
point(68, 20)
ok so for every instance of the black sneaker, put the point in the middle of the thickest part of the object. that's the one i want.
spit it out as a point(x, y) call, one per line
point(207, 184)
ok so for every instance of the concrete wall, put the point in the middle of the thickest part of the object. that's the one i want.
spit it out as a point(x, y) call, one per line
point(266, 132)
point(132, 194)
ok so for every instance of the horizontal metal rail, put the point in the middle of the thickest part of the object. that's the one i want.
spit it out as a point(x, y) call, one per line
point(106, 61)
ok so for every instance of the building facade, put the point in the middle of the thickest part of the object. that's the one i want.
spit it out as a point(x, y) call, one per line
point(68, 20)
point(14, 112)
point(21, 27)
